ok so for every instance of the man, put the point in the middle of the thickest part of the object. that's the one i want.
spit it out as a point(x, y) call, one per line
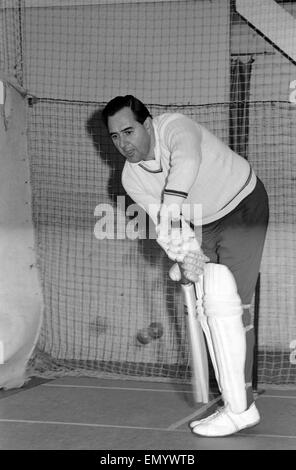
point(173, 163)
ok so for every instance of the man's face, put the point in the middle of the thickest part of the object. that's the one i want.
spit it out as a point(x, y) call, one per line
point(131, 138)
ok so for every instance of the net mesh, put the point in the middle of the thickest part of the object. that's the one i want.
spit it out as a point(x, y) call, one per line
point(199, 58)
point(11, 46)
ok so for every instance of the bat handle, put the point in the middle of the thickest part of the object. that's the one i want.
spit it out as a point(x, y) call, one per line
point(177, 225)
point(184, 279)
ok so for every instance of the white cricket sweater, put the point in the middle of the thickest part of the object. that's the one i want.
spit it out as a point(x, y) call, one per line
point(191, 166)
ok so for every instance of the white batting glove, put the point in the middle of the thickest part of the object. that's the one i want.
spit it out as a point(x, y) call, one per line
point(192, 267)
point(168, 214)
point(175, 273)
point(175, 236)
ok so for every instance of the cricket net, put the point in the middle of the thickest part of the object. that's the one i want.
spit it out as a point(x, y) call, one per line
point(200, 58)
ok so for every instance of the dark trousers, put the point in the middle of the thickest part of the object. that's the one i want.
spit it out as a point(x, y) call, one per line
point(237, 241)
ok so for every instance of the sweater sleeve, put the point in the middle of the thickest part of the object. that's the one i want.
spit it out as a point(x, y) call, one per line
point(150, 204)
point(183, 139)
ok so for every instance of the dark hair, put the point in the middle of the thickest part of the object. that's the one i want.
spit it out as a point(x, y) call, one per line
point(116, 104)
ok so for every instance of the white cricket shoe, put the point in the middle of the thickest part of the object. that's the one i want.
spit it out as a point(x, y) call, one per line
point(224, 422)
point(192, 424)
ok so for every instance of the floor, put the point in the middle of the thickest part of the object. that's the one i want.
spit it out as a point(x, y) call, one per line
point(73, 413)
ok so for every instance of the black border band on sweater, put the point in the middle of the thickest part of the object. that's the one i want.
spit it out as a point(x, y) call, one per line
point(173, 192)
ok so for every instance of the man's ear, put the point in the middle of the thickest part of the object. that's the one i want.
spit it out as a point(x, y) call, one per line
point(148, 125)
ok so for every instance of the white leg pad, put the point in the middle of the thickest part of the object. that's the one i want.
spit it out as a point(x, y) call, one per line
point(221, 321)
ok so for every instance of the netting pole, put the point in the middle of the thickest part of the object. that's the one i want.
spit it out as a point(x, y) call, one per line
point(256, 331)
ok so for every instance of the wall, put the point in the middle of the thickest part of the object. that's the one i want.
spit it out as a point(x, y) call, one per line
point(20, 293)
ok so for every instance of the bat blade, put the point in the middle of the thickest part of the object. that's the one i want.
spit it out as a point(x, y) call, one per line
point(199, 358)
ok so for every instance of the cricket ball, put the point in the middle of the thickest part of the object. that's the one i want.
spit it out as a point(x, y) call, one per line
point(155, 330)
point(143, 336)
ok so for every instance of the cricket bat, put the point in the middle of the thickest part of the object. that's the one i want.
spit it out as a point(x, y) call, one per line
point(199, 358)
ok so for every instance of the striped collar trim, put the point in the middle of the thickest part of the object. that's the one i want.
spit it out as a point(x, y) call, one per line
point(157, 154)
point(151, 171)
